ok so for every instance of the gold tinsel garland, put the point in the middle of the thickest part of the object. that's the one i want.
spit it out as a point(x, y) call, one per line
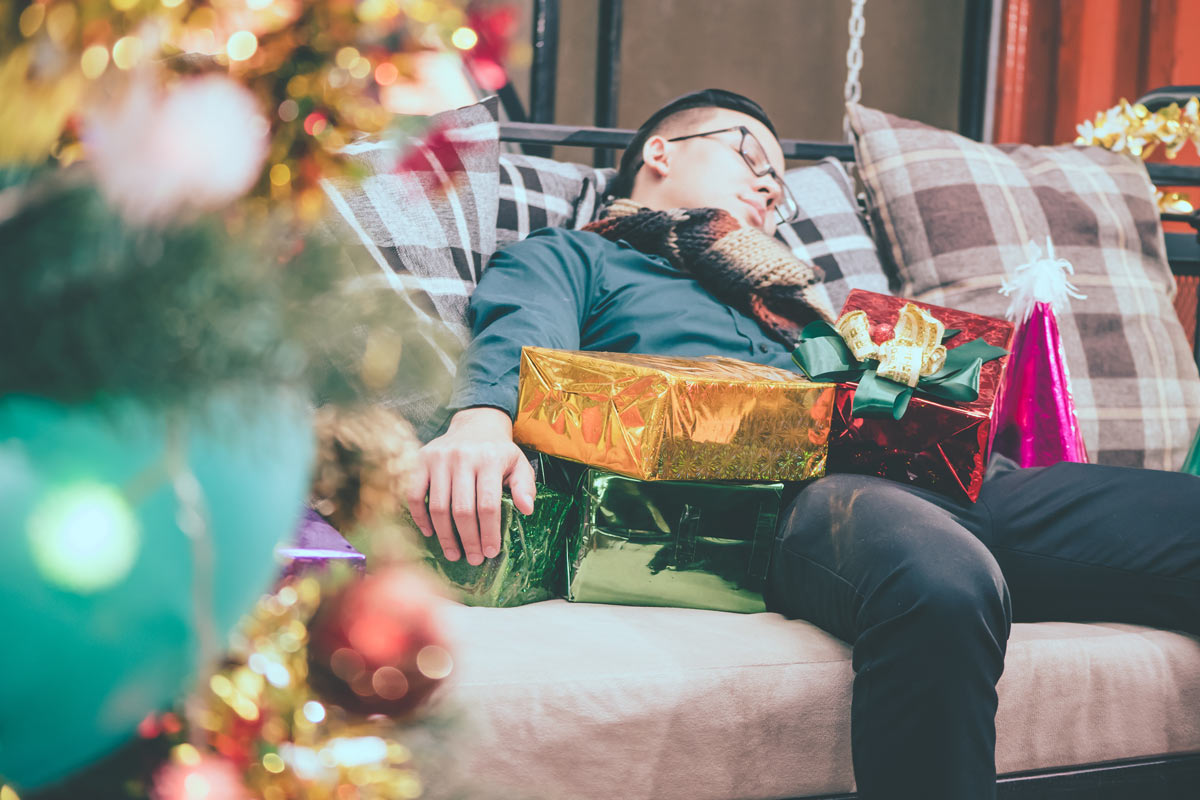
point(363, 457)
point(320, 70)
point(260, 711)
point(1134, 129)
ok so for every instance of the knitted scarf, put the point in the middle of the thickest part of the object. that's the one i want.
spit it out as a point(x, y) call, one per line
point(741, 266)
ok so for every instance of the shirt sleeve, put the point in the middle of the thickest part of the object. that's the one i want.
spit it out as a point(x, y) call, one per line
point(534, 292)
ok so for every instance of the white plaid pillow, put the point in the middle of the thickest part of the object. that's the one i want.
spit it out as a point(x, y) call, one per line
point(543, 193)
point(421, 223)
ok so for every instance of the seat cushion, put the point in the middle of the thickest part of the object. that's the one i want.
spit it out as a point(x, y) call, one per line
point(565, 700)
point(954, 217)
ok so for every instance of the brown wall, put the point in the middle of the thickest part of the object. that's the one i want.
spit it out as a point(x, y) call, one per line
point(790, 55)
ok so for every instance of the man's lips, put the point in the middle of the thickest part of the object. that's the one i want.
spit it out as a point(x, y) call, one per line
point(757, 213)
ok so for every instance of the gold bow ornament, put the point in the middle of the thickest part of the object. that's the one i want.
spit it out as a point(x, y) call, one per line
point(915, 350)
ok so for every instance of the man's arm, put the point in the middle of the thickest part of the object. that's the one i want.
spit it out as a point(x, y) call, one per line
point(535, 292)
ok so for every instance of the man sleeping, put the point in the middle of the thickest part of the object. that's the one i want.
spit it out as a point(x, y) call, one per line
point(923, 587)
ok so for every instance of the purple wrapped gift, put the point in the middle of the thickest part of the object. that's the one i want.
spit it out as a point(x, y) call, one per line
point(316, 544)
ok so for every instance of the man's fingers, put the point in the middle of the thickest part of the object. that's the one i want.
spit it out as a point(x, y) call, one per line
point(488, 486)
point(440, 492)
point(418, 488)
point(462, 505)
point(520, 484)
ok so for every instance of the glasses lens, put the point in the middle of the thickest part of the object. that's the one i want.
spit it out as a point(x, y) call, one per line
point(788, 209)
point(754, 154)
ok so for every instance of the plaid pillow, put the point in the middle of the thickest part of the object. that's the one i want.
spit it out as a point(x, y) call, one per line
point(954, 216)
point(542, 193)
point(420, 224)
point(830, 231)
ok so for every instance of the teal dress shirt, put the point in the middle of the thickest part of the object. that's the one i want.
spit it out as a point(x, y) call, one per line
point(576, 290)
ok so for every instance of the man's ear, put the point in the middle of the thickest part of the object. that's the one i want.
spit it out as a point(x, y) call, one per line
point(655, 156)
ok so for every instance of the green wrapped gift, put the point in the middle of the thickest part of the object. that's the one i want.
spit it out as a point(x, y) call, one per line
point(671, 543)
point(529, 566)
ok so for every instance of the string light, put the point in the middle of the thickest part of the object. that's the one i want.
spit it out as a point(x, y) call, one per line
point(31, 19)
point(127, 52)
point(84, 537)
point(241, 45)
point(464, 38)
point(288, 110)
point(94, 61)
point(386, 73)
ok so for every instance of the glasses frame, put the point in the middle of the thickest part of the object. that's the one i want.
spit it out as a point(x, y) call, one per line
point(785, 194)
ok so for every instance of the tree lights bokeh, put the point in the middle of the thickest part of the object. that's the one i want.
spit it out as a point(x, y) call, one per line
point(145, 146)
point(319, 72)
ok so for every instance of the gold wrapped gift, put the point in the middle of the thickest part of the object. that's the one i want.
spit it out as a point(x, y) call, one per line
point(667, 418)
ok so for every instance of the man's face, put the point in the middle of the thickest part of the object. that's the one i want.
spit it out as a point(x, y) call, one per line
point(709, 171)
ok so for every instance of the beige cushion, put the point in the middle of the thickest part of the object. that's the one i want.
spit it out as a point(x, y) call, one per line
point(563, 700)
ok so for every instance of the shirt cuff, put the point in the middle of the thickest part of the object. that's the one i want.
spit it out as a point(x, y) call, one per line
point(487, 394)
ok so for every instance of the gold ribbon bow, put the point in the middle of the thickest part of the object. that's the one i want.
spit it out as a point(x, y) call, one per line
point(915, 350)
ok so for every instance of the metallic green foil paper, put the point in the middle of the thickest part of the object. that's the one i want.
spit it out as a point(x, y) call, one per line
point(529, 566)
point(671, 543)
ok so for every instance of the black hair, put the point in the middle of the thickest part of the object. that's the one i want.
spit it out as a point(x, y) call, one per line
point(631, 159)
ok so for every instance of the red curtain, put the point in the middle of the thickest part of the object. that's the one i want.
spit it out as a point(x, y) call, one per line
point(1061, 61)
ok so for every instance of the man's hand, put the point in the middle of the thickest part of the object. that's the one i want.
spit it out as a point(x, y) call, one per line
point(463, 473)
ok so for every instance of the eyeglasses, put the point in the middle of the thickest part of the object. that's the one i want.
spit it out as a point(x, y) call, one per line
point(787, 209)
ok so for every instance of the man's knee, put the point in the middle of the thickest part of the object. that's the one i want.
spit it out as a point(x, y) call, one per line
point(941, 607)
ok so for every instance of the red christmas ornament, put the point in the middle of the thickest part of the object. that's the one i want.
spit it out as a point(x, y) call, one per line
point(376, 647)
point(495, 27)
point(882, 332)
point(206, 777)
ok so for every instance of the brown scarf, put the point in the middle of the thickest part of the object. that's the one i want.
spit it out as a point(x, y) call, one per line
point(741, 266)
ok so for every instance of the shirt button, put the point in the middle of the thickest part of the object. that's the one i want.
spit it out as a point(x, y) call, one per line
point(762, 347)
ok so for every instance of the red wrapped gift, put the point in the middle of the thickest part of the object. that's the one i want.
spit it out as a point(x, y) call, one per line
point(938, 445)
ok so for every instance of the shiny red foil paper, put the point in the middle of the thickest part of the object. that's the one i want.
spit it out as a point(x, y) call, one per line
point(937, 445)
point(1036, 425)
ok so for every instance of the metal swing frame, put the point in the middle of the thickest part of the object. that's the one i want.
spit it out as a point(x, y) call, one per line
point(1148, 778)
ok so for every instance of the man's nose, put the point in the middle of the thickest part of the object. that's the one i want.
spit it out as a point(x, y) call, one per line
point(766, 185)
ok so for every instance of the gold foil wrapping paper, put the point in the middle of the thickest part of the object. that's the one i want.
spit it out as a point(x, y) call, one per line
point(668, 418)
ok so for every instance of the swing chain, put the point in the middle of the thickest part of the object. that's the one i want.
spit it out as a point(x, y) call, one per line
point(854, 60)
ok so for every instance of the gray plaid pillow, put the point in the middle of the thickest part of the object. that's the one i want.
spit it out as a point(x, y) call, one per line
point(543, 193)
point(420, 225)
point(831, 232)
point(954, 216)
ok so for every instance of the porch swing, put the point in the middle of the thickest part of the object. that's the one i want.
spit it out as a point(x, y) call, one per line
point(1133, 775)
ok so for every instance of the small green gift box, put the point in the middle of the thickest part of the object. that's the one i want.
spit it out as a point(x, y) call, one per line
point(671, 543)
point(529, 565)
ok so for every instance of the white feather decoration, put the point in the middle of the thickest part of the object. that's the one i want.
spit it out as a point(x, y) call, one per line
point(1042, 280)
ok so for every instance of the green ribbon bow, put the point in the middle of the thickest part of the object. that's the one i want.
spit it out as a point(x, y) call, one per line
point(822, 355)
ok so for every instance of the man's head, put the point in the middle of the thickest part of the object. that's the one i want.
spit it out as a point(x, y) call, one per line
point(704, 150)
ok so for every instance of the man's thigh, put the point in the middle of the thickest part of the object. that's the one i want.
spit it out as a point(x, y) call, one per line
point(1098, 543)
point(847, 539)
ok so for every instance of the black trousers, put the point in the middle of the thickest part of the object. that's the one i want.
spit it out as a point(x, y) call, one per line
point(925, 588)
